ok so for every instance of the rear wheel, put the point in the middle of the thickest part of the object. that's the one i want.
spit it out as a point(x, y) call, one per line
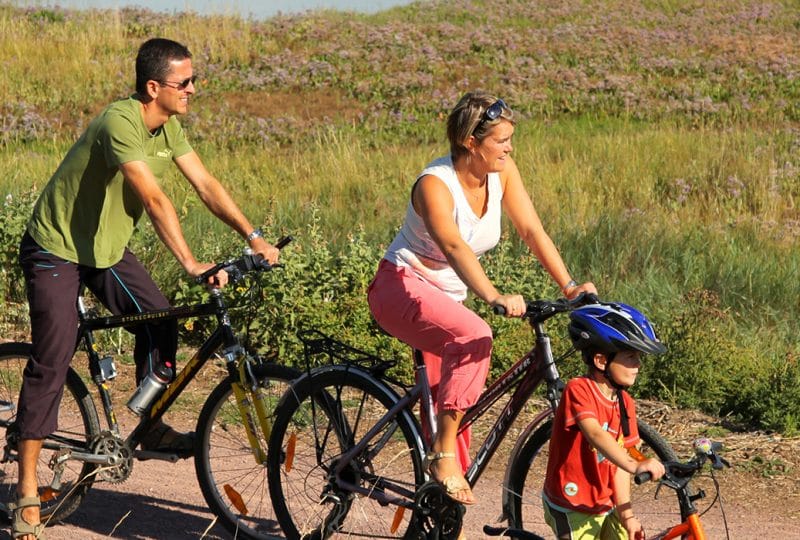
point(528, 473)
point(326, 414)
point(62, 482)
point(233, 483)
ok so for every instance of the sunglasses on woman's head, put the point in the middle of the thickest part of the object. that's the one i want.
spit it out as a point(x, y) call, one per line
point(492, 112)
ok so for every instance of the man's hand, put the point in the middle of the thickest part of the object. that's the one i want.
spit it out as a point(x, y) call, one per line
point(265, 249)
point(220, 279)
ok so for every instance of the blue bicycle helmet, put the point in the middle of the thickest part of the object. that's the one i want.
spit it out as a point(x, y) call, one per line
point(613, 327)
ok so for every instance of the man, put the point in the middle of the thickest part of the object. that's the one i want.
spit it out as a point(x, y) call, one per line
point(79, 231)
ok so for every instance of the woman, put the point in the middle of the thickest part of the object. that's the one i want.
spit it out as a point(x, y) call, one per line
point(452, 219)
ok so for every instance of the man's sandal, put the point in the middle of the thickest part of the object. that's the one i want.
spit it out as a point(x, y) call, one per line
point(20, 527)
point(451, 484)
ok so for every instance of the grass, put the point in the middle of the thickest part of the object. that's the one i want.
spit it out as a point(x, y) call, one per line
point(659, 141)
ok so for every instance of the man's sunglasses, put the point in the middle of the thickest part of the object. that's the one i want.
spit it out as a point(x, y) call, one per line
point(179, 85)
point(492, 112)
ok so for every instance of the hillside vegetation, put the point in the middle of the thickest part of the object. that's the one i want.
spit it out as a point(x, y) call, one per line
point(660, 142)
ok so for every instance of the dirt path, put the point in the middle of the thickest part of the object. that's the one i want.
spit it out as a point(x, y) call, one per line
point(163, 500)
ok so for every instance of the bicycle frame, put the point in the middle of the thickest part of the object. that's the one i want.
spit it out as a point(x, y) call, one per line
point(692, 528)
point(223, 336)
point(526, 374)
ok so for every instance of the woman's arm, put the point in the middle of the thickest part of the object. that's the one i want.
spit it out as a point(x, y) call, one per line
point(519, 207)
point(434, 203)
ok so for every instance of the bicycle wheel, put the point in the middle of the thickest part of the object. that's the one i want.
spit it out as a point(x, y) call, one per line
point(526, 479)
point(61, 489)
point(325, 414)
point(233, 484)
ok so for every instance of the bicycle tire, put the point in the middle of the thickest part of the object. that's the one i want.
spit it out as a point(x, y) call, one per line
point(233, 484)
point(322, 416)
point(527, 473)
point(77, 426)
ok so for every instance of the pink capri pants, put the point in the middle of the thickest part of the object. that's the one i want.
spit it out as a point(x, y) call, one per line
point(456, 343)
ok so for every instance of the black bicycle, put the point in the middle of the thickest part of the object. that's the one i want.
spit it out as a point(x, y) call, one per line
point(232, 429)
point(346, 453)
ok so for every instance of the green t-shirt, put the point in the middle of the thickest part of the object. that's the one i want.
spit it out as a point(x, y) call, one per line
point(87, 212)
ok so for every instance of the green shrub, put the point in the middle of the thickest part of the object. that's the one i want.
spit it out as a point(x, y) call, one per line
point(14, 216)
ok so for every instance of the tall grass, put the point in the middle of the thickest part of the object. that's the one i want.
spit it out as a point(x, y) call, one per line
point(658, 141)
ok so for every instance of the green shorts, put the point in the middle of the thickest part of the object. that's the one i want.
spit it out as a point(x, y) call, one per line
point(569, 525)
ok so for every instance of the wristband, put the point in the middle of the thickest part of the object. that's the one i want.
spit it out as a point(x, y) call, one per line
point(570, 284)
point(255, 234)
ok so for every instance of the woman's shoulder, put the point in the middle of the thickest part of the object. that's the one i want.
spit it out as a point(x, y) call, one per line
point(441, 167)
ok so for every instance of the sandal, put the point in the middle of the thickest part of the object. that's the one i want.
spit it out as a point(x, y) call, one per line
point(20, 527)
point(162, 438)
point(450, 484)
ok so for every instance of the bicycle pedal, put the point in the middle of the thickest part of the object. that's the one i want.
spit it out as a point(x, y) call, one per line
point(145, 455)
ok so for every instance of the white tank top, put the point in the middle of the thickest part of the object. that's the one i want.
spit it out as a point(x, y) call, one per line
point(413, 247)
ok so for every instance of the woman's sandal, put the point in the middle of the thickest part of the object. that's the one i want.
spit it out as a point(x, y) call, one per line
point(20, 527)
point(451, 484)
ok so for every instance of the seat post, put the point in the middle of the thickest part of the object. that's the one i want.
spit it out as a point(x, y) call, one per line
point(426, 412)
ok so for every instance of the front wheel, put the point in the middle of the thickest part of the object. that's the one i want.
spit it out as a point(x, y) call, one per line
point(63, 482)
point(233, 483)
point(526, 480)
point(327, 413)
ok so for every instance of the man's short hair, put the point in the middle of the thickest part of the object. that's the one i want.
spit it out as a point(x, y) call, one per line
point(153, 61)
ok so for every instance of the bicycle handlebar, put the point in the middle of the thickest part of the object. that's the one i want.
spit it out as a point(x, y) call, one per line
point(540, 310)
point(677, 473)
point(238, 268)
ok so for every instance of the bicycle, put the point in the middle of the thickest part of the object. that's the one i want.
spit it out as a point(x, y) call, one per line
point(346, 451)
point(677, 477)
point(232, 428)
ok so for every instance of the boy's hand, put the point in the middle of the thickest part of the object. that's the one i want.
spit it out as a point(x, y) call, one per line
point(652, 466)
point(634, 528)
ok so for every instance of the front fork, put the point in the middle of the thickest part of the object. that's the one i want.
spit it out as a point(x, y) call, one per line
point(251, 398)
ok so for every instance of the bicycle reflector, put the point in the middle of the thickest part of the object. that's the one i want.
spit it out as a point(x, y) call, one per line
point(398, 518)
point(290, 448)
point(235, 498)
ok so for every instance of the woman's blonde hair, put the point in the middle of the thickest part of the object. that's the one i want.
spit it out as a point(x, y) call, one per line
point(468, 118)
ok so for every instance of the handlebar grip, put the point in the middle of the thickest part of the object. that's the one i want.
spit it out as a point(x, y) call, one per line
point(642, 477)
point(499, 310)
point(283, 241)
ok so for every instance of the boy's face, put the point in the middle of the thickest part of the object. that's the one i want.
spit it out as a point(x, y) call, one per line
point(625, 367)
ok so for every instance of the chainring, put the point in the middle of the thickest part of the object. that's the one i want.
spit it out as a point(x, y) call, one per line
point(437, 516)
point(108, 444)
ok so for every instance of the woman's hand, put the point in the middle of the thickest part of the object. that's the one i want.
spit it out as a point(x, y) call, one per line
point(513, 304)
point(572, 291)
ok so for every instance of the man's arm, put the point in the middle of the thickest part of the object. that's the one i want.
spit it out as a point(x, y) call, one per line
point(217, 199)
point(162, 214)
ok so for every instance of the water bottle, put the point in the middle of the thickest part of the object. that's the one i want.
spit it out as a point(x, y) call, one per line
point(150, 388)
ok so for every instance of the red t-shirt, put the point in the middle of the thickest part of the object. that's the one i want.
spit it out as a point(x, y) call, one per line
point(579, 478)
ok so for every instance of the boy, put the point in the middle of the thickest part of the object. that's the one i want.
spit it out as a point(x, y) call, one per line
point(587, 487)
